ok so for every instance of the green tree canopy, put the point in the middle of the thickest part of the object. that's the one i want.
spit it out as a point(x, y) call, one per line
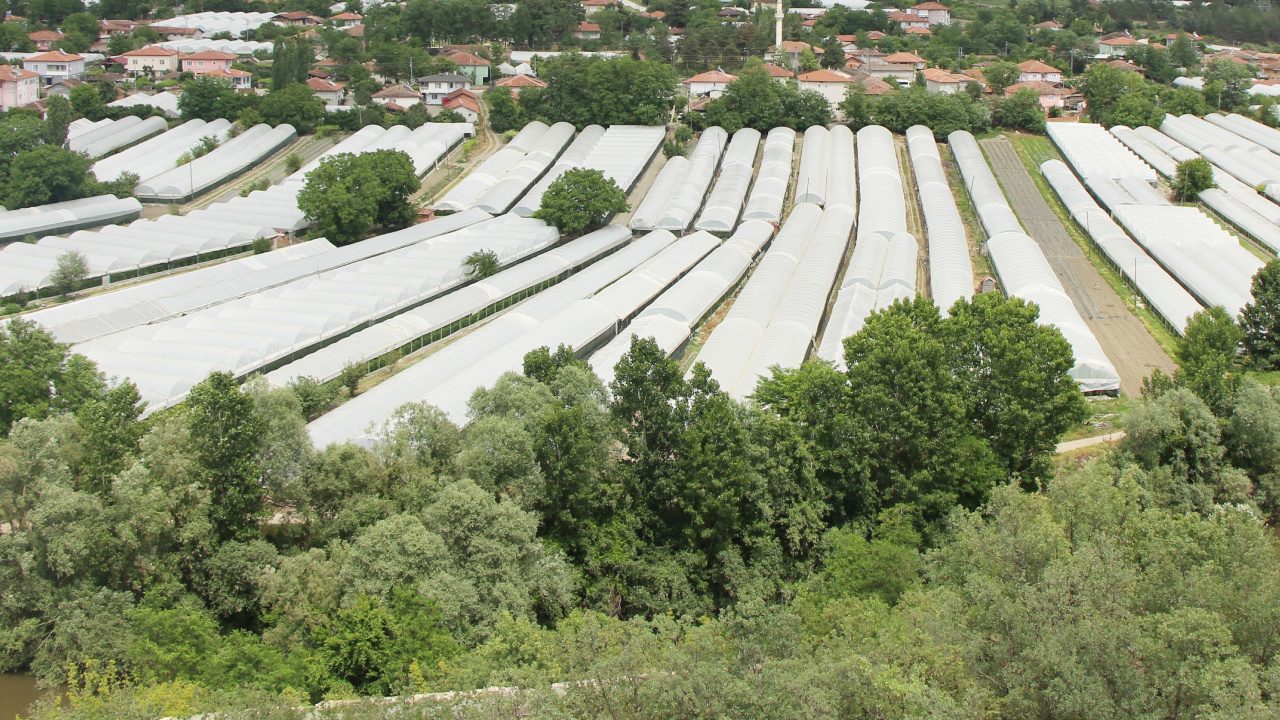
point(1260, 319)
point(580, 200)
point(349, 194)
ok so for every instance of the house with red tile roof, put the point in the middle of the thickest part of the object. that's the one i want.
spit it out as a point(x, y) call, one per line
point(473, 66)
point(780, 74)
point(18, 87)
point(906, 58)
point(397, 94)
point(937, 80)
point(935, 13)
point(830, 84)
point(297, 18)
point(591, 7)
point(331, 93)
point(45, 39)
point(517, 83)
point(1036, 71)
point(870, 85)
point(151, 60)
point(239, 79)
point(708, 84)
point(918, 31)
point(1050, 95)
point(346, 20)
point(587, 31)
point(908, 20)
point(1115, 46)
point(55, 66)
point(206, 61)
point(463, 102)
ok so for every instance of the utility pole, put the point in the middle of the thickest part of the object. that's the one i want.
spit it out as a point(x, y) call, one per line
point(777, 35)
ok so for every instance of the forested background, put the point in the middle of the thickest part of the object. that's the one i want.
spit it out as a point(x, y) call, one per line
point(897, 540)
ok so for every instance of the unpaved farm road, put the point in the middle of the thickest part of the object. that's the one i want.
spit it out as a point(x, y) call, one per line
point(1122, 335)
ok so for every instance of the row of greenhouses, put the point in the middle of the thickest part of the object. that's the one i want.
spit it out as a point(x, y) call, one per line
point(671, 318)
point(107, 136)
point(950, 268)
point(261, 330)
point(1024, 271)
point(883, 266)
point(498, 182)
point(447, 377)
point(621, 153)
point(173, 295)
point(227, 161)
point(162, 152)
point(776, 316)
point(682, 184)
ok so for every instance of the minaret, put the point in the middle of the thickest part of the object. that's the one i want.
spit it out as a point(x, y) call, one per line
point(777, 40)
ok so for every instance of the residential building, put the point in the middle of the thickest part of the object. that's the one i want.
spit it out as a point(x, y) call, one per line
point(935, 13)
point(591, 7)
point(1126, 65)
point(435, 87)
point(587, 31)
point(908, 20)
point(398, 95)
point(780, 74)
point(45, 39)
point(906, 58)
point(330, 92)
point(517, 83)
point(206, 61)
point(169, 34)
point(708, 84)
point(151, 60)
point(18, 87)
point(1050, 95)
point(1036, 71)
point(870, 85)
point(1049, 25)
point(63, 88)
point(937, 80)
point(239, 79)
point(473, 66)
point(1115, 46)
point(297, 18)
point(356, 31)
point(875, 35)
point(900, 73)
point(55, 66)
point(831, 85)
point(346, 20)
point(789, 55)
point(463, 102)
point(918, 31)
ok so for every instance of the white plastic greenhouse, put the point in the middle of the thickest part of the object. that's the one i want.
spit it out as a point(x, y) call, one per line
point(213, 23)
point(166, 101)
point(988, 199)
point(360, 418)
point(573, 157)
point(671, 318)
point(1163, 294)
point(1093, 151)
point(66, 216)
point(811, 181)
point(774, 178)
point(225, 162)
point(237, 47)
point(1145, 149)
point(278, 325)
point(442, 316)
point(883, 266)
point(950, 268)
point(174, 295)
point(469, 190)
point(520, 177)
point(842, 182)
point(160, 153)
point(1023, 270)
point(696, 181)
point(120, 133)
point(621, 153)
point(775, 318)
point(1205, 258)
point(650, 210)
point(724, 204)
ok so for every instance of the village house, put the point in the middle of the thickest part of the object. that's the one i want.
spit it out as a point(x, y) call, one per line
point(297, 18)
point(239, 79)
point(518, 83)
point(937, 80)
point(1051, 95)
point(905, 58)
point(55, 66)
point(206, 61)
point(397, 95)
point(1115, 46)
point(908, 20)
point(1036, 71)
point(346, 20)
point(169, 34)
point(831, 85)
point(434, 88)
point(473, 66)
point(1053, 25)
point(935, 13)
point(331, 93)
point(780, 74)
point(18, 87)
point(463, 102)
point(591, 7)
point(151, 60)
point(45, 39)
point(870, 85)
point(708, 84)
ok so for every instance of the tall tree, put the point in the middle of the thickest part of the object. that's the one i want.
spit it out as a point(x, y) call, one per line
point(1260, 319)
point(225, 436)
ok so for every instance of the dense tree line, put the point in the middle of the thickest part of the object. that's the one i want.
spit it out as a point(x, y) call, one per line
point(898, 529)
